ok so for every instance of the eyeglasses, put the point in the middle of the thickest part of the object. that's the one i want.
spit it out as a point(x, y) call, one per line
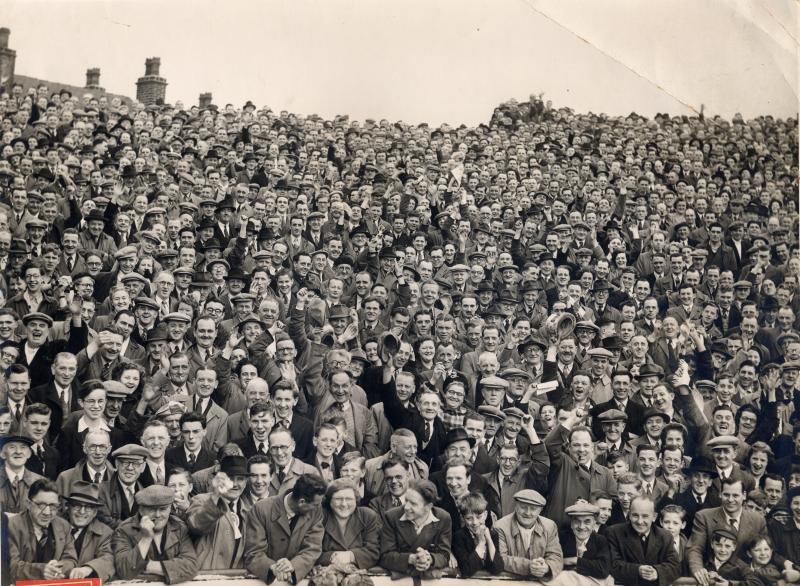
point(45, 506)
point(128, 464)
point(279, 448)
point(97, 448)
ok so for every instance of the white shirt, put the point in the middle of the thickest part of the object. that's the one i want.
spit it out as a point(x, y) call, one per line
point(83, 425)
point(420, 525)
point(526, 535)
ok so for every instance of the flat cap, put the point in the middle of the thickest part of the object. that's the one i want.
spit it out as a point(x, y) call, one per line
point(126, 252)
point(15, 439)
point(582, 508)
point(514, 373)
point(599, 353)
point(116, 390)
point(130, 452)
point(494, 381)
point(514, 412)
point(742, 285)
point(177, 316)
point(171, 408)
point(493, 412)
point(459, 268)
point(37, 315)
point(724, 532)
point(612, 415)
point(135, 277)
point(155, 495)
point(790, 366)
point(723, 441)
point(530, 497)
point(587, 325)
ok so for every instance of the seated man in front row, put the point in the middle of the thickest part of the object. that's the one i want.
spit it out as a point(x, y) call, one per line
point(154, 542)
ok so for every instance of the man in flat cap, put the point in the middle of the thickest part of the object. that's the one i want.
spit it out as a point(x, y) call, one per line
point(40, 543)
point(587, 554)
point(153, 544)
point(117, 496)
point(528, 542)
point(92, 538)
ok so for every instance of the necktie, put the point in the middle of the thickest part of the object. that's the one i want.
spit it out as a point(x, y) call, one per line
point(262, 449)
point(106, 372)
point(17, 412)
point(396, 501)
point(293, 522)
point(735, 524)
point(70, 264)
point(159, 475)
point(281, 476)
point(324, 465)
point(15, 487)
point(192, 459)
point(427, 431)
point(98, 477)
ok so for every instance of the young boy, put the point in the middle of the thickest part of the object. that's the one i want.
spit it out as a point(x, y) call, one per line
point(722, 566)
point(673, 519)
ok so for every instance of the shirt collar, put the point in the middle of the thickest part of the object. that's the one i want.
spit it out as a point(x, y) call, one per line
point(83, 425)
point(419, 526)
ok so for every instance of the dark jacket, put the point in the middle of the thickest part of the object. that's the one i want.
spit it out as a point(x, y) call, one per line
point(595, 561)
point(628, 553)
point(177, 557)
point(361, 536)
point(468, 561)
point(399, 539)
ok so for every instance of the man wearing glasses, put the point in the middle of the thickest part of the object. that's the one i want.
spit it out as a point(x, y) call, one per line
point(93, 467)
point(41, 545)
point(287, 468)
point(117, 496)
point(92, 538)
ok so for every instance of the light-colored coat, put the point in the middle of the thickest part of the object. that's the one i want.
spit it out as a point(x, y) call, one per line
point(270, 539)
point(212, 526)
point(22, 547)
point(544, 544)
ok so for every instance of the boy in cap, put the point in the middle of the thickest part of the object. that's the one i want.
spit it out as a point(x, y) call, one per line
point(154, 543)
point(723, 566)
point(92, 538)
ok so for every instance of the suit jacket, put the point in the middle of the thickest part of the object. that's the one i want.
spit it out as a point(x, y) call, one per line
point(401, 416)
point(78, 472)
point(12, 501)
point(468, 561)
point(178, 556)
point(48, 465)
point(628, 553)
point(634, 411)
point(663, 355)
point(526, 476)
point(751, 525)
point(214, 530)
point(568, 480)
point(176, 458)
point(39, 367)
point(270, 538)
point(361, 536)
point(296, 469)
point(364, 431)
point(374, 478)
point(248, 445)
point(543, 544)
point(216, 425)
point(95, 551)
point(48, 395)
point(399, 539)
point(595, 561)
point(114, 507)
point(681, 315)
point(22, 547)
point(689, 503)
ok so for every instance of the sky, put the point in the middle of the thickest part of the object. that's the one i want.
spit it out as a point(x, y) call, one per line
point(429, 61)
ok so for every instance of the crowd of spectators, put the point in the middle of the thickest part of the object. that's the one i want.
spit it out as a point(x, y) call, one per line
point(558, 346)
